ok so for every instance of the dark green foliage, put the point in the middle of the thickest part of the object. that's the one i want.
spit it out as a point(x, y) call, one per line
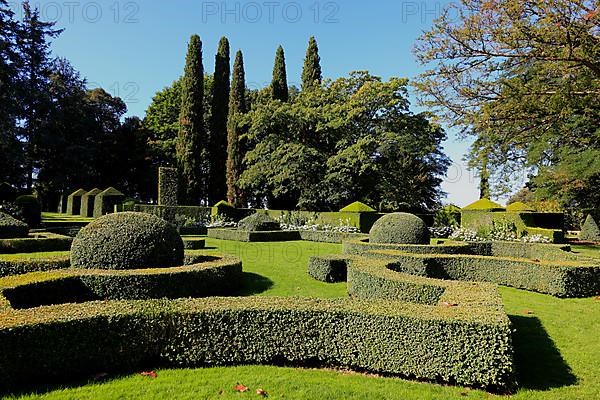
point(399, 228)
point(31, 210)
point(167, 186)
point(330, 237)
point(259, 222)
point(36, 243)
point(192, 140)
point(127, 241)
point(26, 265)
point(235, 147)
point(11, 227)
point(279, 84)
point(355, 247)
point(87, 203)
point(248, 236)
point(105, 201)
point(193, 244)
point(217, 182)
point(11, 209)
point(590, 231)
point(74, 202)
point(331, 269)
point(312, 74)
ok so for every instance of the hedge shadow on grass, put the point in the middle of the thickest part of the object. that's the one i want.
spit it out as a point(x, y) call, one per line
point(253, 284)
point(539, 364)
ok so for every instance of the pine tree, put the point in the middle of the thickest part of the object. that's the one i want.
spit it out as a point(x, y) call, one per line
point(235, 148)
point(590, 232)
point(279, 85)
point(217, 185)
point(312, 74)
point(191, 140)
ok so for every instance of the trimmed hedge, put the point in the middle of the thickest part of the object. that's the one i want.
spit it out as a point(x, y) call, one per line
point(105, 202)
point(468, 345)
point(11, 227)
point(193, 244)
point(210, 277)
point(74, 202)
point(167, 186)
point(560, 279)
point(127, 241)
point(259, 223)
point(31, 209)
point(484, 205)
point(27, 264)
point(87, 203)
point(359, 247)
point(36, 243)
point(330, 237)
point(590, 231)
point(247, 236)
point(358, 207)
point(399, 228)
point(331, 268)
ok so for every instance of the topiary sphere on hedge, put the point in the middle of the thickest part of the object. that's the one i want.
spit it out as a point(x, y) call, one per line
point(11, 228)
point(259, 223)
point(127, 241)
point(399, 228)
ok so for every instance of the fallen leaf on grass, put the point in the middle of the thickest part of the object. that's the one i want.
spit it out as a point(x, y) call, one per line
point(240, 388)
point(150, 374)
point(262, 393)
point(528, 312)
point(597, 298)
point(446, 304)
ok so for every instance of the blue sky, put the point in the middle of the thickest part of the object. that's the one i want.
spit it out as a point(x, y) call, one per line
point(135, 48)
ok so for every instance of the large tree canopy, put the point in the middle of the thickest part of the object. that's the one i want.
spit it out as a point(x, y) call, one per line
point(523, 76)
point(349, 139)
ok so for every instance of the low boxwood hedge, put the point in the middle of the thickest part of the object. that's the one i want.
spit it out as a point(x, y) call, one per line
point(36, 243)
point(469, 344)
point(193, 244)
point(331, 268)
point(31, 263)
point(330, 237)
point(248, 236)
point(11, 227)
point(358, 247)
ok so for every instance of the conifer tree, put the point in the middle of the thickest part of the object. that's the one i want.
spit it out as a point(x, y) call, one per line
point(590, 232)
point(235, 147)
point(217, 183)
point(279, 85)
point(191, 140)
point(312, 74)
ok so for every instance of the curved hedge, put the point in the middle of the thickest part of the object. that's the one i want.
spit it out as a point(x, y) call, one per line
point(36, 243)
point(259, 222)
point(399, 228)
point(127, 241)
point(26, 264)
point(12, 228)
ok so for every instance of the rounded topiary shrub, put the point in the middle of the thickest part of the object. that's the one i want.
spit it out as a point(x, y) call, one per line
point(127, 241)
point(259, 223)
point(12, 228)
point(30, 207)
point(399, 228)
point(590, 232)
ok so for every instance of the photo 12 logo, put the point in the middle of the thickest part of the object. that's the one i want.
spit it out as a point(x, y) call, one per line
point(270, 12)
point(87, 11)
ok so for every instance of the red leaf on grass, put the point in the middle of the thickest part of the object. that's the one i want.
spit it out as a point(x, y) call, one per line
point(150, 374)
point(240, 388)
point(262, 393)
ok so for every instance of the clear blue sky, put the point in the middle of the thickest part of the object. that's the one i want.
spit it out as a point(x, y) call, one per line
point(135, 48)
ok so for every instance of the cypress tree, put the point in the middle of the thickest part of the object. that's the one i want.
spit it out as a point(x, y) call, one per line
point(312, 74)
point(279, 85)
point(235, 149)
point(217, 184)
point(191, 140)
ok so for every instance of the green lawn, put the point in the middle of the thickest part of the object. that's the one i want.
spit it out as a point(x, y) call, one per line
point(54, 218)
point(556, 341)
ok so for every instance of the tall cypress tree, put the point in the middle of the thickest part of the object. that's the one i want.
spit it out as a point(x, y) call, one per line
point(312, 74)
point(235, 148)
point(217, 183)
point(191, 140)
point(279, 84)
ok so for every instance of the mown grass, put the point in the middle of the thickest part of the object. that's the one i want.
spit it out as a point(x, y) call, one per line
point(556, 342)
point(49, 217)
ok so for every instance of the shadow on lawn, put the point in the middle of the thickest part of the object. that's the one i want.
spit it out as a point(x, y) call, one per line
point(539, 364)
point(253, 284)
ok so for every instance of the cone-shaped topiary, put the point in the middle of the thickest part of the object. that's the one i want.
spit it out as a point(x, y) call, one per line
point(519, 207)
point(399, 228)
point(11, 228)
point(127, 241)
point(259, 223)
point(358, 207)
point(590, 231)
point(484, 205)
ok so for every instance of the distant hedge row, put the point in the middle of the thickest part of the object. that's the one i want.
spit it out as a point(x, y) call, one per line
point(25, 265)
point(38, 243)
point(280, 236)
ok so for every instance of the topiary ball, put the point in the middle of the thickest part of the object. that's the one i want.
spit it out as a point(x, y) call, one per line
point(127, 241)
point(399, 228)
point(11, 228)
point(259, 223)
